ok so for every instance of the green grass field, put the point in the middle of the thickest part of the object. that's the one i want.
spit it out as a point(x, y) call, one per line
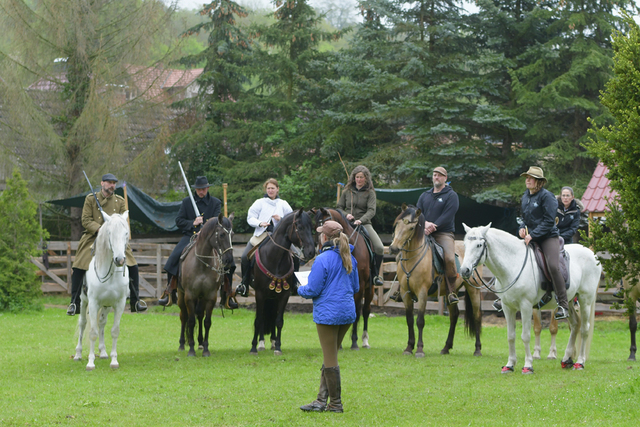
point(156, 385)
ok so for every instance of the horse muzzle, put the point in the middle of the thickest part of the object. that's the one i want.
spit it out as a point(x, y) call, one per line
point(465, 272)
point(119, 260)
point(393, 250)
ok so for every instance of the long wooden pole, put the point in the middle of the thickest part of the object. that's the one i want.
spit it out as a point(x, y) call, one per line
point(126, 205)
point(224, 197)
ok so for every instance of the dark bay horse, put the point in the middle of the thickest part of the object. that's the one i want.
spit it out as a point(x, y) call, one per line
point(201, 273)
point(416, 275)
point(273, 276)
point(361, 253)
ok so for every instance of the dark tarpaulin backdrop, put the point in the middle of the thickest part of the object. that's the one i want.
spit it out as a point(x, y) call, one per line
point(142, 207)
point(470, 212)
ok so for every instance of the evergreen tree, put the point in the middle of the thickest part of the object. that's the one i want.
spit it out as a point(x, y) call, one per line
point(618, 146)
point(20, 235)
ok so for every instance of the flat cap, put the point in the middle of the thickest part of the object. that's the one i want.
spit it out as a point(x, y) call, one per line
point(109, 177)
point(442, 171)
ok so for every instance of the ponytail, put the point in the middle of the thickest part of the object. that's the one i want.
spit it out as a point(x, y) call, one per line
point(343, 242)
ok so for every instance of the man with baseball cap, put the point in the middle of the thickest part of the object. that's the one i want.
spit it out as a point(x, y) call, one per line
point(439, 206)
point(92, 220)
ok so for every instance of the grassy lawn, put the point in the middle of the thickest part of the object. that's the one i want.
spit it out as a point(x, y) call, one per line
point(156, 385)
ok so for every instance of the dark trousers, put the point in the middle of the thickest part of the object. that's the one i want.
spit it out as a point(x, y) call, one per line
point(448, 243)
point(551, 250)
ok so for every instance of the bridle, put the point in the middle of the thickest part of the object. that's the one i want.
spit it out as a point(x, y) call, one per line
point(296, 252)
point(111, 264)
point(481, 260)
point(424, 248)
point(217, 252)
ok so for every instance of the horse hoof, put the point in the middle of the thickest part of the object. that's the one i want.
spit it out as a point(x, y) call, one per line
point(355, 347)
point(527, 371)
point(507, 369)
point(206, 353)
point(277, 353)
point(419, 354)
point(191, 353)
point(253, 352)
point(444, 351)
point(366, 346)
point(181, 348)
point(567, 364)
point(536, 357)
point(578, 367)
point(115, 365)
point(407, 353)
point(200, 347)
point(551, 358)
point(105, 356)
point(90, 368)
point(477, 353)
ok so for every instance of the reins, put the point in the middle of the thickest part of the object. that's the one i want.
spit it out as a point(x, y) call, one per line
point(111, 264)
point(216, 251)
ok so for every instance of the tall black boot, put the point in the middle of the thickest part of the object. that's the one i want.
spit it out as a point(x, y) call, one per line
point(243, 287)
point(225, 293)
point(320, 404)
point(563, 304)
point(378, 280)
point(76, 288)
point(137, 305)
point(332, 377)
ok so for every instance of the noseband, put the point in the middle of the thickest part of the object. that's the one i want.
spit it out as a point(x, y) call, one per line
point(490, 285)
point(217, 252)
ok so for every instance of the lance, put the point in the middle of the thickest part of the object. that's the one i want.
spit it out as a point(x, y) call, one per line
point(193, 202)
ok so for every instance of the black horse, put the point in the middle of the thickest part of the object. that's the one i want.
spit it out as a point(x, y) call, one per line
point(201, 273)
point(273, 276)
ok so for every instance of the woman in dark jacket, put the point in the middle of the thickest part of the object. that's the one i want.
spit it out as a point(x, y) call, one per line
point(539, 207)
point(568, 214)
point(332, 283)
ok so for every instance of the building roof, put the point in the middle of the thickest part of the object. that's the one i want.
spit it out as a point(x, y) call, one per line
point(598, 192)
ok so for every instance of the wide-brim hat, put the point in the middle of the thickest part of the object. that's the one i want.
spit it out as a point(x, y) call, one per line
point(109, 177)
point(201, 182)
point(330, 228)
point(535, 172)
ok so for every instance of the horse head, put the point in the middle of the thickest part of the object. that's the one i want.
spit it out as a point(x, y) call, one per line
point(407, 225)
point(115, 231)
point(220, 239)
point(303, 236)
point(475, 249)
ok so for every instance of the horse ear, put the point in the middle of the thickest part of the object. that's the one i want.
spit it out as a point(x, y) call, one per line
point(418, 213)
point(404, 207)
point(466, 227)
point(125, 215)
point(231, 217)
point(485, 229)
point(220, 218)
point(106, 217)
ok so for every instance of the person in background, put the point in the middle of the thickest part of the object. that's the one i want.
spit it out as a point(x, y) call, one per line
point(264, 214)
point(92, 220)
point(358, 200)
point(568, 214)
point(333, 281)
point(190, 224)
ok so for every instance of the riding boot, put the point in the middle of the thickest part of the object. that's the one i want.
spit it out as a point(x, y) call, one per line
point(320, 404)
point(452, 298)
point(563, 304)
point(619, 293)
point(332, 377)
point(243, 287)
point(76, 288)
point(137, 305)
point(165, 299)
point(225, 295)
point(378, 280)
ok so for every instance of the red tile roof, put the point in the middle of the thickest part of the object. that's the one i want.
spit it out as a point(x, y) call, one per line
point(598, 192)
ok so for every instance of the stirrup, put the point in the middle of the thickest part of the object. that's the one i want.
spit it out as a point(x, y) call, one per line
point(140, 306)
point(242, 290)
point(497, 305)
point(71, 310)
point(562, 313)
point(396, 296)
point(452, 299)
point(377, 281)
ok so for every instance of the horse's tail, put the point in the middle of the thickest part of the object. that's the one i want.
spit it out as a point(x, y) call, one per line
point(270, 315)
point(471, 323)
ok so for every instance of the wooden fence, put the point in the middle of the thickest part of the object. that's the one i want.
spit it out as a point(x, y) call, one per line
point(151, 255)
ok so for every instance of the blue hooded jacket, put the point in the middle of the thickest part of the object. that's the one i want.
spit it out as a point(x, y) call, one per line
point(331, 288)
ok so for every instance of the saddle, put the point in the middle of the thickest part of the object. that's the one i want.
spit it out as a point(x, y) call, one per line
point(564, 264)
point(438, 264)
point(373, 267)
point(187, 248)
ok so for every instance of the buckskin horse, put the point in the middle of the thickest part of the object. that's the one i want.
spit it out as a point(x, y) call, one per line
point(519, 284)
point(419, 279)
point(201, 273)
point(364, 296)
point(107, 286)
point(273, 276)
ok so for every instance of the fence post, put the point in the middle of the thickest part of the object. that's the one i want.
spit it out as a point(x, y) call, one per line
point(69, 267)
point(158, 270)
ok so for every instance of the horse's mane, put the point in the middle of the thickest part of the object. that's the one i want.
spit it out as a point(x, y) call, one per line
point(287, 220)
point(411, 211)
point(342, 214)
point(208, 226)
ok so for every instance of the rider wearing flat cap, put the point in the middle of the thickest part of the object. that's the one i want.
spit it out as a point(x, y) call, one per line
point(190, 224)
point(92, 220)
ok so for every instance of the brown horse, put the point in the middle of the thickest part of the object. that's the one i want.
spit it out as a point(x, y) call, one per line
point(361, 253)
point(632, 294)
point(201, 273)
point(416, 275)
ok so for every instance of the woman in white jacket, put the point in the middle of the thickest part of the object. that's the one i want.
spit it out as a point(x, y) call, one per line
point(264, 214)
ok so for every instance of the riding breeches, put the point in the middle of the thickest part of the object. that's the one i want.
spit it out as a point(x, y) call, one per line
point(330, 340)
point(378, 247)
point(551, 250)
point(448, 243)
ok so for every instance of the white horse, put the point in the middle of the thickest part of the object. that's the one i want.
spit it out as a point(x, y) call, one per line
point(518, 282)
point(107, 286)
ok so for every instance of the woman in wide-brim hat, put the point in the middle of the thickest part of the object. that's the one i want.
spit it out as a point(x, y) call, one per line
point(332, 283)
point(539, 207)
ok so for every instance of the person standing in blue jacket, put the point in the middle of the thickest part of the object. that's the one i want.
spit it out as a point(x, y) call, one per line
point(332, 283)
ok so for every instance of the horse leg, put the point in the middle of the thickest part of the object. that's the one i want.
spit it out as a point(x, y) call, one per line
point(282, 303)
point(574, 327)
point(510, 317)
point(259, 320)
point(633, 327)
point(584, 325)
point(553, 329)
point(82, 323)
point(354, 328)
point(191, 324)
point(526, 314)
point(422, 305)
point(366, 312)
point(103, 322)
point(537, 330)
point(408, 313)
point(93, 334)
point(473, 319)
point(200, 310)
point(454, 314)
point(207, 328)
point(115, 332)
point(183, 326)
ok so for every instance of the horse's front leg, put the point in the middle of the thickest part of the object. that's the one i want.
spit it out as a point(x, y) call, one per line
point(526, 314)
point(354, 329)
point(510, 317)
point(454, 314)
point(259, 320)
point(183, 326)
point(200, 310)
point(282, 303)
point(115, 332)
point(82, 323)
point(207, 327)
point(574, 329)
point(553, 330)
point(366, 312)
point(104, 313)
point(582, 325)
point(422, 305)
point(93, 334)
point(408, 313)
point(537, 330)
point(191, 324)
